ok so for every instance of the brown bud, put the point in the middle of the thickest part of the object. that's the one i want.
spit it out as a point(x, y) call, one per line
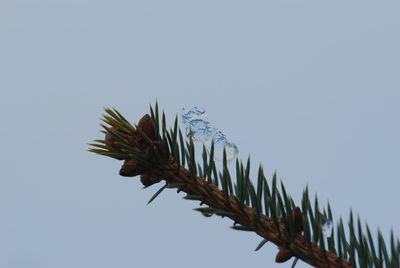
point(134, 140)
point(148, 180)
point(161, 149)
point(131, 168)
point(298, 220)
point(146, 124)
point(110, 140)
point(283, 255)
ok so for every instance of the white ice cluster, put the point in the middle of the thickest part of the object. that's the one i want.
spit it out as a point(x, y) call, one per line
point(201, 130)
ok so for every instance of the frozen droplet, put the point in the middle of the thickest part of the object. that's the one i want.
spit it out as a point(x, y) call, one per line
point(219, 138)
point(197, 129)
point(230, 148)
point(201, 130)
point(221, 143)
point(193, 114)
point(327, 228)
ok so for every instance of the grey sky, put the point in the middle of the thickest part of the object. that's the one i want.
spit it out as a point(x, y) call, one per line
point(308, 88)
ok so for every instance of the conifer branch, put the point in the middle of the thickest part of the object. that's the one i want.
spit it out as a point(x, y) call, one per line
point(158, 154)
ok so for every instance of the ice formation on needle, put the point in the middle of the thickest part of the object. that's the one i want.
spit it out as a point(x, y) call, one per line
point(327, 227)
point(201, 130)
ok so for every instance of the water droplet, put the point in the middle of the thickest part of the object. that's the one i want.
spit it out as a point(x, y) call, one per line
point(327, 228)
point(201, 130)
point(205, 214)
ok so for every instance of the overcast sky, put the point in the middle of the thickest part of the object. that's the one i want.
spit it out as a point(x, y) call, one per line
point(308, 88)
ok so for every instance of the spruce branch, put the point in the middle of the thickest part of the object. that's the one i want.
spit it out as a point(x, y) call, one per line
point(157, 154)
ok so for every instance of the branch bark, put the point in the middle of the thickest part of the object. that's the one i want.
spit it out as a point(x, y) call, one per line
point(246, 216)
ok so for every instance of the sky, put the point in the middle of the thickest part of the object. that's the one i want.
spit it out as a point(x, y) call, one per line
point(310, 89)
